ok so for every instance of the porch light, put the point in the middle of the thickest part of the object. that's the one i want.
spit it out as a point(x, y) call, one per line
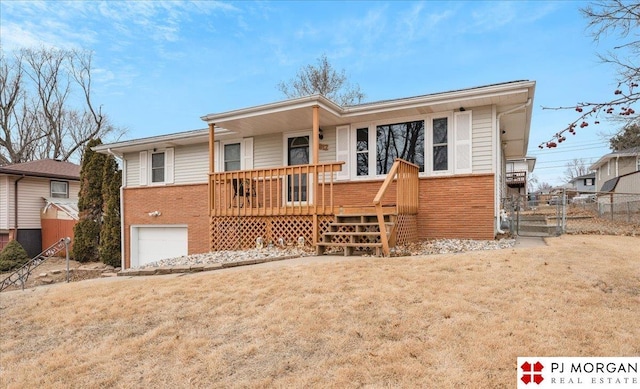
point(320, 135)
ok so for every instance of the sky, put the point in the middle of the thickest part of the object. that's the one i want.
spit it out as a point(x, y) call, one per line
point(159, 66)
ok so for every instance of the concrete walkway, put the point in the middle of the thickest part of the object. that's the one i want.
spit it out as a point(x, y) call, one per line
point(530, 241)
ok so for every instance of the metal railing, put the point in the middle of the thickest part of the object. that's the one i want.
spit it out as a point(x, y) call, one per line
point(22, 273)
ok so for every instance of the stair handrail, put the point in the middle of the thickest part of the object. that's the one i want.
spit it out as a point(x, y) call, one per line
point(403, 202)
point(23, 272)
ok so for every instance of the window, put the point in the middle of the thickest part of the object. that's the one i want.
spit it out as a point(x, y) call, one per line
point(231, 157)
point(440, 144)
point(400, 140)
point(60, 189)
point(157, 167)
point(638, 164)
point(588, 181)
point(362, 151)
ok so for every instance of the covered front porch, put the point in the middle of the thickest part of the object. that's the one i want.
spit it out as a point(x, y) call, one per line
point(302, 205)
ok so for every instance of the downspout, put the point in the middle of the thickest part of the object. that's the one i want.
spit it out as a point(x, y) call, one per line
point(124, 172)
point(499, 147)
point(15, 206)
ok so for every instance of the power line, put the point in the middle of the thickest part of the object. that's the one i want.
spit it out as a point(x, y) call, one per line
point(567, 160)
point(544, 152)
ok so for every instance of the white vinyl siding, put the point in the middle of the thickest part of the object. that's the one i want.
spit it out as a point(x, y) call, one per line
point(191, 164)
point(343, 151)
point(329, 139)
point(31, 191)
point(267, 151)
point(4, 202)
point(482, 158)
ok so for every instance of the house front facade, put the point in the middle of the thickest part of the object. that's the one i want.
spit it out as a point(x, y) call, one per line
point(301, 170)
point(25, 191)
point(517, 176)
point(613, 165)
point(585, 183)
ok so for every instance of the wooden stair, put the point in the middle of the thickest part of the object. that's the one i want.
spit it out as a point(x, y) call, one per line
point(356, 231)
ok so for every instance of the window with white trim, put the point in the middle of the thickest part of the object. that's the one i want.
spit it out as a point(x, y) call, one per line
point(231, 157)
point(399, 140)
point(362, 151)
point(157, 167)
point(638, 164)
point(60, 189)
point(440, 146)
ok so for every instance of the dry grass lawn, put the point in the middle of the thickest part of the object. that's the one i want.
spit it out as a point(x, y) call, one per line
point(439, 321)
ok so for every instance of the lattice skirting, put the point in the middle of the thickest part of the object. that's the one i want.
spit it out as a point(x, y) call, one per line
point(407, 229)
point(236, 233)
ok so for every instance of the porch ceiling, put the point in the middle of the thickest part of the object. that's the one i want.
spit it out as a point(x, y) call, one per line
point(514, 133)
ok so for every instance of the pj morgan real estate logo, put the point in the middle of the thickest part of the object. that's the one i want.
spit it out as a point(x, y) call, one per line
point(578, 372)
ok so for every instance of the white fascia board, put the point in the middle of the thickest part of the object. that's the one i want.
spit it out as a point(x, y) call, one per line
point(280, 106)
point(440, 98)
point(133, 145)
point(376, 107)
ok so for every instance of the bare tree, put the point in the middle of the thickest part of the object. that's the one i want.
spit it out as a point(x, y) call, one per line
point(544, 187)
point(575, 168)
point(40, 116)
point(623, 19)
point(325, 80)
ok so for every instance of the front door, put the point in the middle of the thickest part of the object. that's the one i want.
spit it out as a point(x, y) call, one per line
point(297, 154)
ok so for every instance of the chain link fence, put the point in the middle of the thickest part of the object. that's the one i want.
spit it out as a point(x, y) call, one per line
point(557, 213)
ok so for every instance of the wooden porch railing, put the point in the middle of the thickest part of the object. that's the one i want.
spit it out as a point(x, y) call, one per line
point(406, 175)
point(519, 177)
point(287, 190)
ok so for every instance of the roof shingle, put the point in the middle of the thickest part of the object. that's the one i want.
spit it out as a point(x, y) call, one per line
point(49, 168)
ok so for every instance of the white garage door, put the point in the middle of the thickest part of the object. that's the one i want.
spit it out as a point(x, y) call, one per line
point(155, 243)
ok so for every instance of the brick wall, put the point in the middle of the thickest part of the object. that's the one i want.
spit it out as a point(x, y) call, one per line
point(178, 204)
point(449, 207)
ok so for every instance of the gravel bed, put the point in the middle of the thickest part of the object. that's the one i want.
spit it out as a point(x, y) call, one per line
point(440, 246)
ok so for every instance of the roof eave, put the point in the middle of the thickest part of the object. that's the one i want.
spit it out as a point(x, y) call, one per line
point(285, 105)
point(11, 172)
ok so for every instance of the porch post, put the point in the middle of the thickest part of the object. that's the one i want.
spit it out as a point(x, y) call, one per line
point(316, 134)
point(211, 165)
point(316, 150)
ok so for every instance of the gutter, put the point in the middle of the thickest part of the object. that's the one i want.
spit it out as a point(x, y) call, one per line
point(502, 172)
point(15, 205)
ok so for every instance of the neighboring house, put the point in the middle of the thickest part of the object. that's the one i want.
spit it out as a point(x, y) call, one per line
point(517, 175)
point(611, 167)
point(25, 190)
point(309, 170)
point(583, 184)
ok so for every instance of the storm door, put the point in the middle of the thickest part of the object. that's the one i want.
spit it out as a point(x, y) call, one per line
point(297, 154)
